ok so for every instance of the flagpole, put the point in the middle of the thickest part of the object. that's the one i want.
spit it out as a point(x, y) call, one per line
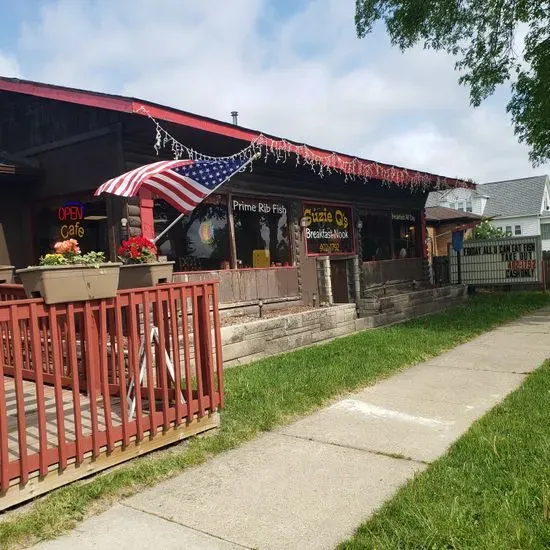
point(252, 158)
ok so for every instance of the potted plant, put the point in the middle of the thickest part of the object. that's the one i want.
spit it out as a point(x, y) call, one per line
point(67, 275)
point(7, 274)
point(141, 267)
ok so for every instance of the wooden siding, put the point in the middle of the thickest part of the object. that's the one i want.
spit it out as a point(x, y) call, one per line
point(244, 286)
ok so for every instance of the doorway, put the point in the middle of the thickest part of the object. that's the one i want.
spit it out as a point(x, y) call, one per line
point(339, 281)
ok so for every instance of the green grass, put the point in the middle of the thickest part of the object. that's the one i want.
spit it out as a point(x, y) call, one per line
point(271, 392)
point(491, 491)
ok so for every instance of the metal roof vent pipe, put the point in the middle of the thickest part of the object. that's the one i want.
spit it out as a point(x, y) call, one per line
point(235, 116)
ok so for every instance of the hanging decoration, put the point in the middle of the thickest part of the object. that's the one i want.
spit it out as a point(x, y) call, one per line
point(321, 163)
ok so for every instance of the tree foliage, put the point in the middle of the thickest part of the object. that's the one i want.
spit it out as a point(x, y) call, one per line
point(484, 36)
point(486, 231)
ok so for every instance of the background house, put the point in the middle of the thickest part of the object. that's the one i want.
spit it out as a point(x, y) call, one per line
point(520, 207)
point(441, 222)
point(461, 200)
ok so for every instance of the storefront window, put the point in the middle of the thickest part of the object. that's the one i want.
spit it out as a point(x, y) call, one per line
point(84, 221)
point(404, 235)
point(375, 236)
point(261, 232)
point(200, 241)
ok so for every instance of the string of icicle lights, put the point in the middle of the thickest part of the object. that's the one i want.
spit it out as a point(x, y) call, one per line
point(321, 164)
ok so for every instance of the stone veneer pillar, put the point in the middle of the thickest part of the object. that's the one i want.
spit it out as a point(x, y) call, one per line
point(325, 282)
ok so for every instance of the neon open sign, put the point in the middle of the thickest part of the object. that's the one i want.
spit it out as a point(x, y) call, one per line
point(71, 214)
point(70, 211)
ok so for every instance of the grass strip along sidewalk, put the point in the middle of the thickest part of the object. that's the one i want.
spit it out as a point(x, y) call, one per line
point(491, 491)
point(272, 392)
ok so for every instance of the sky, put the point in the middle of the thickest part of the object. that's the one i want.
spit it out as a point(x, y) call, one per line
point(293, 68)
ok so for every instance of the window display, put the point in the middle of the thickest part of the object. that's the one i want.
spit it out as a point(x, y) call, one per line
point(199, 241)
point(261, 232)
point(404, 235)
point(84, 221)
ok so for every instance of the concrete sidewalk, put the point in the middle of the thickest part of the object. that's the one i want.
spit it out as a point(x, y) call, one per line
point(310, 484)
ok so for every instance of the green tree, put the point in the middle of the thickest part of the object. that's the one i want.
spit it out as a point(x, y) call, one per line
point(486, 231)
point(483, 35)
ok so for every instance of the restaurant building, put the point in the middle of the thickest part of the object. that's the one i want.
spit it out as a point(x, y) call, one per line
point(304, 226)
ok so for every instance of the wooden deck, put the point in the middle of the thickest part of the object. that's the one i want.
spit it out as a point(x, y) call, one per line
point(65, 370)
point(31, 416)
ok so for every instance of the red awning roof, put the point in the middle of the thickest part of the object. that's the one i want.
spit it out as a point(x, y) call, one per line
point(340, 161)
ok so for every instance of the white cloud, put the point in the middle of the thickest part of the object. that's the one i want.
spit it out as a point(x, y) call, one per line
point(304, 76)
point(9, 66)
point(481, 146)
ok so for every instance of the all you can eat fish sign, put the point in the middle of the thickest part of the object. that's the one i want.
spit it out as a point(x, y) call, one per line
point(498, 261)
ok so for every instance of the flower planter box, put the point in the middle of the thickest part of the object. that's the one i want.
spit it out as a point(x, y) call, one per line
point(70, 283)
point(7, 274)
point(144, 275)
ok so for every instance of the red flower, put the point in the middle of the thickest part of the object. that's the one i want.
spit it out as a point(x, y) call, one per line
point(137, 249)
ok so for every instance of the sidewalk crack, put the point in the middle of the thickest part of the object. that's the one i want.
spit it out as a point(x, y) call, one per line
point(159, 516)
point(397, 456)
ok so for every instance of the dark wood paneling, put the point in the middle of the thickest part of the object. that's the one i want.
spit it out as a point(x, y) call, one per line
point(406, 269)
point(27, 121)
point(81, 167)
point(15, 235)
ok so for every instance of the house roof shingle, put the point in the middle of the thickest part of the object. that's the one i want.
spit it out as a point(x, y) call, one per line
point(519, 197)
point(438, 214)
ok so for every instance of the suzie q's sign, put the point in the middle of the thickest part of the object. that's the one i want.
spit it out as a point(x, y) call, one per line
point(499, 261)
point(328, 229)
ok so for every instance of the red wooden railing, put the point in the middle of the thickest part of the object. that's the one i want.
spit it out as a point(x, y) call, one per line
point(11, 292)
point(65, 371)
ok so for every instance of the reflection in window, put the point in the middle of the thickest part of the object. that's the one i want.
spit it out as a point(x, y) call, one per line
point(200, 241)
point(375, 236)
point(404, 234)
point(261, 237)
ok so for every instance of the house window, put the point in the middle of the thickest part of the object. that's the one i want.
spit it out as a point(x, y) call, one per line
point(460, 206)
point(545, 231)
point(517, 230)
point(508, 231)
point(452, 205)
point(469, 205)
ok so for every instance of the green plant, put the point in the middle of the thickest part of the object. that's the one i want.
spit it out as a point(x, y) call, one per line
point(68, 253)
point(486, 231)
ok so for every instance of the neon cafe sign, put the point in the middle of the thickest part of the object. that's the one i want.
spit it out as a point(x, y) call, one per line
point(71, 215)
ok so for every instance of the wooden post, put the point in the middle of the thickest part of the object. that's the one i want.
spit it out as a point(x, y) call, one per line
point(392, 244)
point(231, 225)
point(146, 205)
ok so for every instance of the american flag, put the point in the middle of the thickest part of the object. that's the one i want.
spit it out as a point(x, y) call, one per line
point(182, 183)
